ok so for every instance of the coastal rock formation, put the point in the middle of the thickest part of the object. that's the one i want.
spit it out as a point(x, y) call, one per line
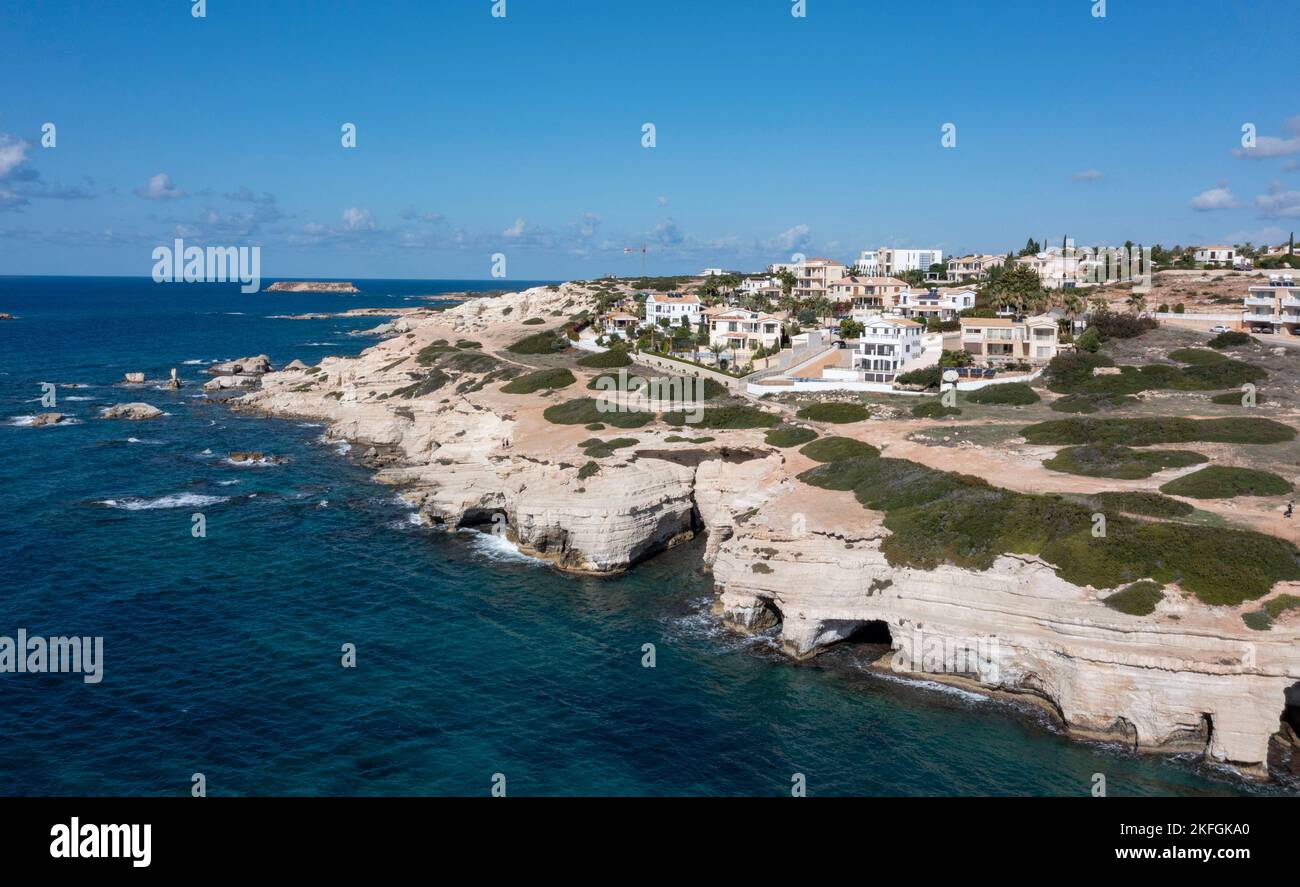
point(311, 286)
point(133, 411)
point(253, 457)
point(4, 316)
point(431, 418)
point(222, 383)
point(134, 378)
point(40, 420)
point(248, 366)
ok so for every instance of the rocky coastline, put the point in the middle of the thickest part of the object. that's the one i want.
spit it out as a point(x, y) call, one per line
point(424, 408)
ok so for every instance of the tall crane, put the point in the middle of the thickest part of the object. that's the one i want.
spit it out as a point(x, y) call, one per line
point(642, 250)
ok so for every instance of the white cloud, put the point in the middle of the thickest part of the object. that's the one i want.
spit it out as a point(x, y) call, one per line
point(1279, 203)
point(160, 187)
point(1088, 175)
point(515, 230)
point(1214, 199)
point(662, 201)
point(355, 219)
point(798, 237)
point(13, 152)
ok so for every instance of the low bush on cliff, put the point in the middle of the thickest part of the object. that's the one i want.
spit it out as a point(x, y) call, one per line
point(540, 343)
point(1262, 619)
point(1230, 339)
point(595, 448)
point(730, 416)
point(836, 449)
point(1074, 374)
point(614, 357)
point(542, 380)
point(1224, 482)
point(1196, 356)
point(584, 411)
point(789, 436)
point(937, 517)
point(1139, 599)
point(431, 382)
point(1234, 398)
point(1090, 403)
point(836, 413)
point(588, 470)
point(1109, 460)
point(430, 353)
point(533, 321)
point(933, 408)
point(1143, 503)
point(1144, 432)
point(1010, 394)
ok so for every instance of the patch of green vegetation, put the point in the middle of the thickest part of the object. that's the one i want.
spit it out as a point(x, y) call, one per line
point(1262, 620)
point(837, 449)
point(542, 380)
point(1139, 599)
point(588, 470)
point(677, 438)
point(595, 448)
point(760, 568)
point(1230, 339)
point(1144, 432)
point(789, 436)
point(584, 411)
point(614, 357)
point(728, 416)
point(533, 321)
point(468, 343)
point(938, 517)
point(930, 377)
point(1090, 403)
point(1112, 460)
point(1072, 373)
point(1146, 504)
point(933, 408)
point(1234, 398)
point(1009, 394)
point(1225, 482)
point(387, 367)
point(594, 426)
point(430, 353)
point(431, 382)
point(470, 362)
point(1196, 356)
point(548, 342)
point(840, 413)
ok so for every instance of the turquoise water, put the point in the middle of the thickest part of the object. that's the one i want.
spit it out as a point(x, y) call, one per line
point(222, 655)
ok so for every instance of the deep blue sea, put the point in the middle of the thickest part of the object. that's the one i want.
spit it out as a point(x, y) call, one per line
point(222, 654)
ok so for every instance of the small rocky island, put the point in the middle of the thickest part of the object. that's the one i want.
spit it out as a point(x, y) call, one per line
point(312, 286)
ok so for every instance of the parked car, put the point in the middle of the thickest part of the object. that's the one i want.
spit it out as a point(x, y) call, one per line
point(1262, 329)
point(1219, 329)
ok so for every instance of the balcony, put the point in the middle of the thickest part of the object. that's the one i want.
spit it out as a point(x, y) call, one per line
point(1262, 301)
point(1251, 317)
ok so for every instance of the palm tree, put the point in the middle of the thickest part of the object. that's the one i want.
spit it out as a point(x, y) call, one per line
point(717, 353)
point(1136, 302)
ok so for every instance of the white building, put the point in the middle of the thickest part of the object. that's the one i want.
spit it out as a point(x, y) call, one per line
point(893, 262)
point(741, 331)
point(761, 286)
point(677, 309)
point(868, 264)
point(1216, 255)
point(866, 293)
point(712, 272)
point(1275, 307)
point(976, 267)
point(1055, 269)
point(887, 346)
point(935, 304)
point(815, 277)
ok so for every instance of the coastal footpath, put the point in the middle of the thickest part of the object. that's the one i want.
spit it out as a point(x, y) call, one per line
point(429, 408)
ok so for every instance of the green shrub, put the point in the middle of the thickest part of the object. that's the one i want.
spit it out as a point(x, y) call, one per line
point(588, 470)
point(594, 426)
point(789, 436)
point(1262, 620)
point(1145, 432)
point(542, 380)
point(1112, 325)
point(836, 413)
point(1009, 394)
point(1139, 599)
point(431, 382)
point(930, 377)
point(1233, 398)
point(1143, 503)
point(1110, 460)
point(595, 448)
point(1224, 482)
point(1090, 403)
point(1230, 339)
point(837, 449)
point(430, 353)
point(677, 438)
point(933, 408)
point(584, 411)
point(532, 321)
point(540, 343)
point(1197, 356)
point(614, 357)
point(733, 416)
point(1090, 340)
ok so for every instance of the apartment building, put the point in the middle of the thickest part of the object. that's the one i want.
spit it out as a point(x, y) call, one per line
point(1215, 255)
point(816, 275)
point(677, 309)
point(868, 263)
point(1002, 340)
point(741, 331)
point(761, 286)
point(899, 261)
point(887, 345)
point(869, 293)
point(1274, 307)
point(1057, 270)
point(973, 267)
point(935, 304)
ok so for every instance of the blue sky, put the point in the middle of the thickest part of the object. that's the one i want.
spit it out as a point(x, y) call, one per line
point(522, 135)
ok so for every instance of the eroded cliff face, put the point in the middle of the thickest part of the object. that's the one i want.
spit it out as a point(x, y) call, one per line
point(1186, 678)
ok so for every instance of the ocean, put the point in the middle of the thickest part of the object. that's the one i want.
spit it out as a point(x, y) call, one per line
point(222, 655)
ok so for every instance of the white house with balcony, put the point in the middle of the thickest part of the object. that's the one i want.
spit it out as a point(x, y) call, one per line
point(1275, 307)
point(1215, 255)
point(867, 293)
point(945, 305)
point(677, 309)
point(741, 331)
point(868, 263)
point(994, 341)
point(887, 346)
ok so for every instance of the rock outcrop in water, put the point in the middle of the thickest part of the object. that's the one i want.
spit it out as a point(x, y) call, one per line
point(41, 420)
point(426, 409)
point(311, 286)
point(133, 411)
